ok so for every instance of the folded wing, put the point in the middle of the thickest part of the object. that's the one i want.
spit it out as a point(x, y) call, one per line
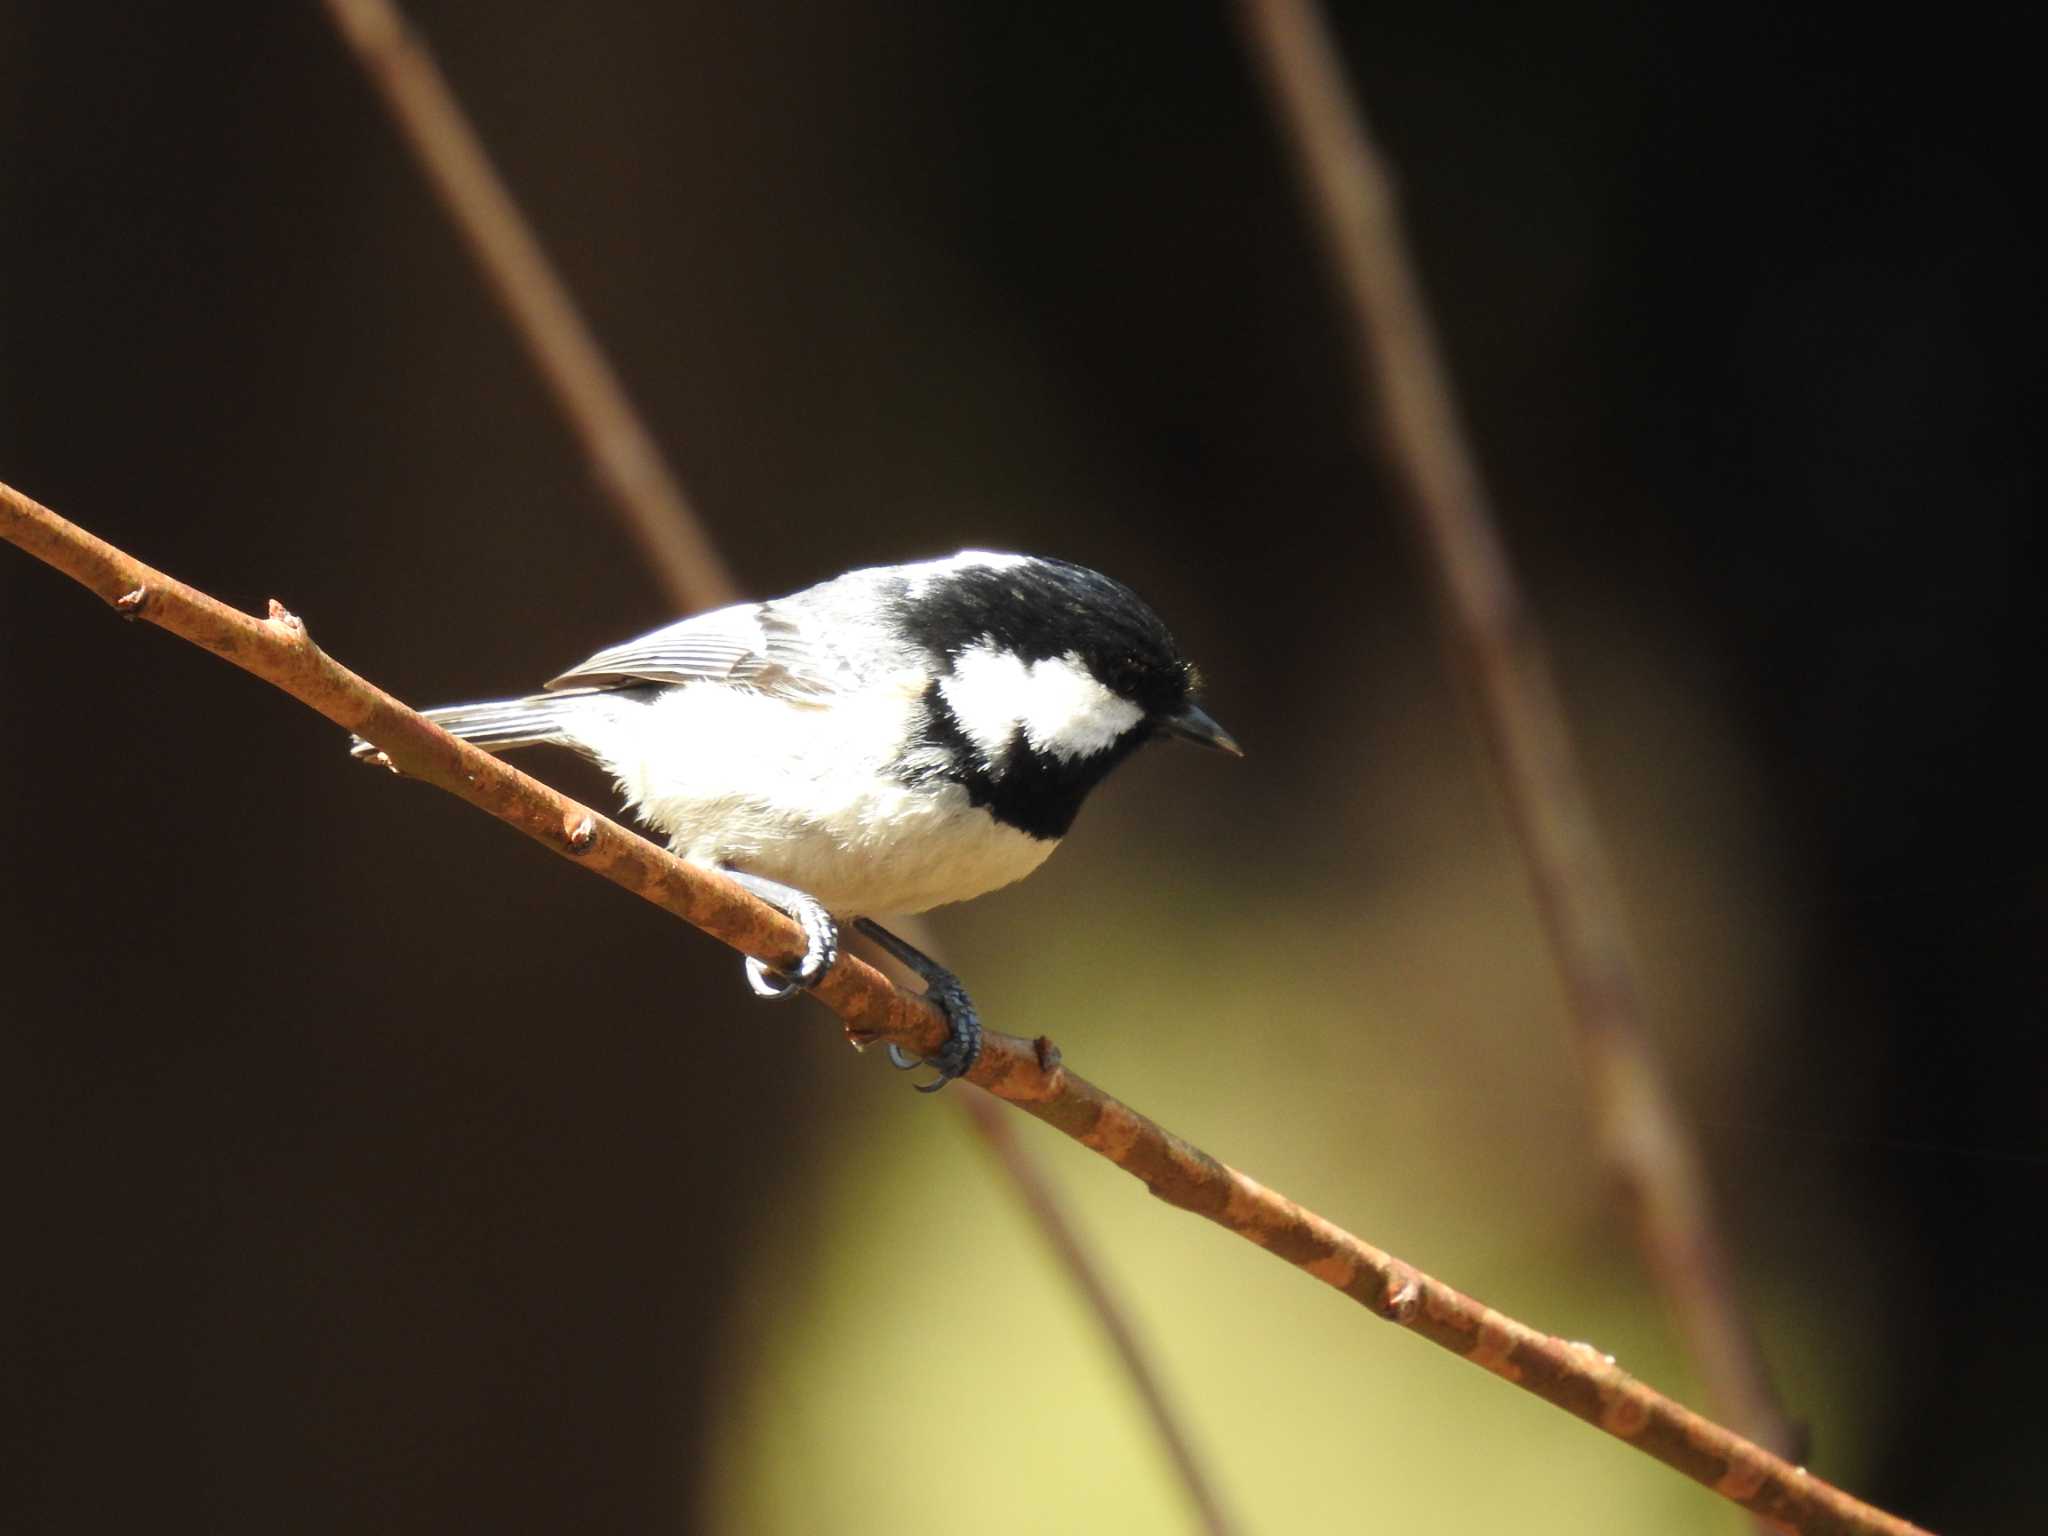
point(751, 645)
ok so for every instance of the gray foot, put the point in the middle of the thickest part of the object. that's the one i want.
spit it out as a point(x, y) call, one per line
point(956, 1058)
point(821, 938)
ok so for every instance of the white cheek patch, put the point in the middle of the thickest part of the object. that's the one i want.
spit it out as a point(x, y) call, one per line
point(1070, 714)
point(1062, 709)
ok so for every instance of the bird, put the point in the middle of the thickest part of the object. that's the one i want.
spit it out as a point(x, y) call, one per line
point(894, 739)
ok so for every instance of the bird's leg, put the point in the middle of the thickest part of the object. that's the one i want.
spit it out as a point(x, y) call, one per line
point(956, 1058)
point(821, 937)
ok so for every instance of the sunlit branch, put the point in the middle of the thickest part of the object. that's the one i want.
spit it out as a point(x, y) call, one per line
point(1027, 1073)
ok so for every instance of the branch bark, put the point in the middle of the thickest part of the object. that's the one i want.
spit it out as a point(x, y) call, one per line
point(1027, 1073)
point(1411, 406)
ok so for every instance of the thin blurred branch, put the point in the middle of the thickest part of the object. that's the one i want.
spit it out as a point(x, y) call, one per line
point(673, 538)
point(1028, 1073)
point(620, 449)
point(1072, 1251)
point(1410, 400)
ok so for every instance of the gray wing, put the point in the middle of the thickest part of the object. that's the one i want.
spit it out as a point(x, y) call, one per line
point(762, 646)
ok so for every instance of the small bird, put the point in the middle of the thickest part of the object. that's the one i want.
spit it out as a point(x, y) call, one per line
point(891, 740)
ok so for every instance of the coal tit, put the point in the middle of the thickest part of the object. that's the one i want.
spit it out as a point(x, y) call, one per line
point(885, 742)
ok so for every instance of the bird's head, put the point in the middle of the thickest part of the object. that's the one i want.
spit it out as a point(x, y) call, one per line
point(1047, 675)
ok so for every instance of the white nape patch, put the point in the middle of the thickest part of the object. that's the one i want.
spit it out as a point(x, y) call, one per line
point(922, 575)
point(1064, 711)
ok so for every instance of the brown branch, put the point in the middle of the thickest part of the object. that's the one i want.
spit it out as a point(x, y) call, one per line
point(1640, 1132)
point(1028, 1073)
point(620, 449)
point(673, 538)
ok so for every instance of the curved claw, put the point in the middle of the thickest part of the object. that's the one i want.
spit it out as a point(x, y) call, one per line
point(821, 939)
point(956, 1058)
point(770, 984)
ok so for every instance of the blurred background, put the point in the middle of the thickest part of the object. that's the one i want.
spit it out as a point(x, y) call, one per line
point(372, 1168)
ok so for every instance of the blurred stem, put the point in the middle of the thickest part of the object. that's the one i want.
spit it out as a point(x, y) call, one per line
point(617, 444)
point(1027, 1073)
point(1414, 412)
point(1043, 1201)
point(674, 540)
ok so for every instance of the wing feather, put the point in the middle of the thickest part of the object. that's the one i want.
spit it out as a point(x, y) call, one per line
point(751, 645)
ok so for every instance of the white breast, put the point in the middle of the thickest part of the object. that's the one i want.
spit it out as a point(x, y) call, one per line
point(801, 794)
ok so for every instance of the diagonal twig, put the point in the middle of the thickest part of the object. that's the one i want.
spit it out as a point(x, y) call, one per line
point(620, 449)
point(1072, 1251)
point(676, 543)
point(1641, 1134)
point(1027, 1073)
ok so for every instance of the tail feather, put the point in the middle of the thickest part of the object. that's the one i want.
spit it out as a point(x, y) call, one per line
point(499, 725)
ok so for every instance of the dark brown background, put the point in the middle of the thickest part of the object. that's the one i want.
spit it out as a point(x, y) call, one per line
point(326, 1097)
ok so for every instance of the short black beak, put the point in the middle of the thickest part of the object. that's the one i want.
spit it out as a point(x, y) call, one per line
point(1193, 724)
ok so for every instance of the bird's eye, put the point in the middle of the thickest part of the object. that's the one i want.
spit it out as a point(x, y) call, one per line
point(1126, 676)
